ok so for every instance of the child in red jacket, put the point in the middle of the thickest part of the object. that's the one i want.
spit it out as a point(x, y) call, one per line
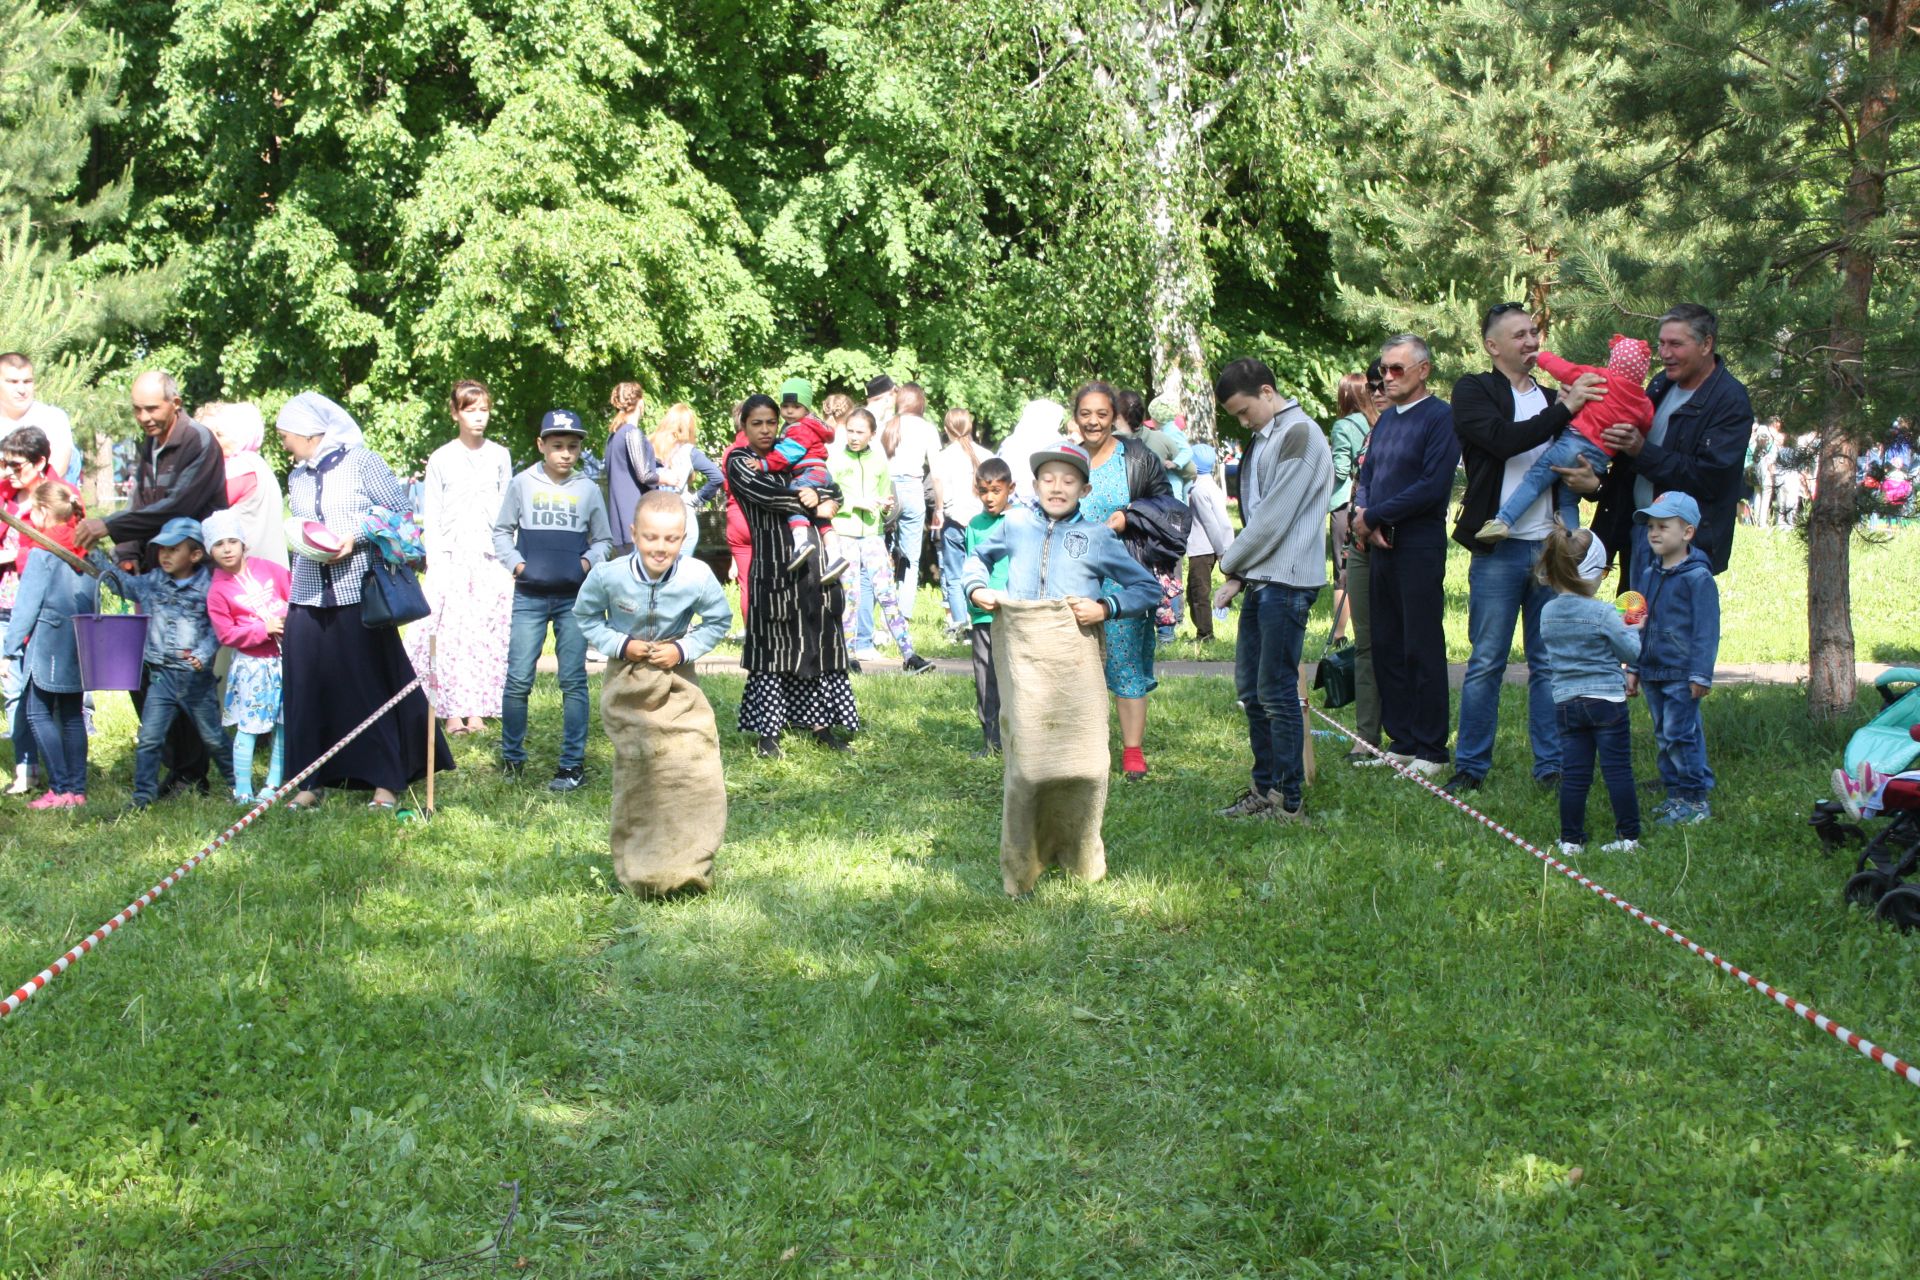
point(801, 454)
point(1625, 402)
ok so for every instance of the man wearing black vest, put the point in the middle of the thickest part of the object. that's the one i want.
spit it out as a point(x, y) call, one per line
point(1505, 421)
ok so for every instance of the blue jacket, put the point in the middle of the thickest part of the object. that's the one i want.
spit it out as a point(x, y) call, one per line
point(1586, 642)
point(1407, 476)
point(1051, 559)
point(1681, 640)
point(51, 592)
point(545, 530)
point(179, 611)
point(617, 603)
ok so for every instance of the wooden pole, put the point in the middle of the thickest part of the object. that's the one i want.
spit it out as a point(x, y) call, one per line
point(433, 756)
point(1306, 721)
point(42, 541)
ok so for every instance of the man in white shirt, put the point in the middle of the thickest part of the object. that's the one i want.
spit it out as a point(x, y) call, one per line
point(911, 442)
point(18, 408)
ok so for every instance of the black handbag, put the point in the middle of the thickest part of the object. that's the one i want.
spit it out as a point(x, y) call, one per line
point(1334, 675)
point(390, 596)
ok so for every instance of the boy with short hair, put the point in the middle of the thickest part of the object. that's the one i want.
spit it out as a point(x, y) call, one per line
point(552, 529)
point(179, 652)
point(1280, 560)
point(1679, 645)
point(1048, 668)
point(669, 794)
point(993, 485)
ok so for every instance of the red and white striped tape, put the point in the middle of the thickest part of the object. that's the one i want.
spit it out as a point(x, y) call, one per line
point(1867, 1048)
point(30, 988)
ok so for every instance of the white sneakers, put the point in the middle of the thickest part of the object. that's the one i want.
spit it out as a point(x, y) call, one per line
point(1568, 849)
point(1381, 761)
point(1427, 768)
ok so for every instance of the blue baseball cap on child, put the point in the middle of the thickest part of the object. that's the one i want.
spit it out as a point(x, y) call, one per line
point(178, 530)
point(1670, 503)
point(559, 422)
point(1204, 459)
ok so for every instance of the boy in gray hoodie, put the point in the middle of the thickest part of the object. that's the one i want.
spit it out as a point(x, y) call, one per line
point(552, 529)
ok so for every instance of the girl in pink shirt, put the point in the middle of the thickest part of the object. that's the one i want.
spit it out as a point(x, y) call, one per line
point(247, 604)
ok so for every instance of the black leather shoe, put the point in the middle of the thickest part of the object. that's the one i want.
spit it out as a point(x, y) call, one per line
point(1548, 782)
point(830, 740)
point(1461, 783)
point(769, 747)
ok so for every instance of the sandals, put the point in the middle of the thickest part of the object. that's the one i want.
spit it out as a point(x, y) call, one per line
point(308, 806)
point(387, 806)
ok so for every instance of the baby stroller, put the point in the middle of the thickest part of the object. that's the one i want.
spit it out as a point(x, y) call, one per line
point(1881, 778)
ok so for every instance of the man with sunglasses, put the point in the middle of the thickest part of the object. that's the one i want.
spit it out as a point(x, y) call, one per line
point(1505, 421)
point(1400, 510)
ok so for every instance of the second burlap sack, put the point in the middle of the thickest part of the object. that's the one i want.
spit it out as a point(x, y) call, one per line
point(1053, 732)
point(669, 794)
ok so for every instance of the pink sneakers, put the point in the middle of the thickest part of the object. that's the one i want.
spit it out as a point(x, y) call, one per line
point(57, 800)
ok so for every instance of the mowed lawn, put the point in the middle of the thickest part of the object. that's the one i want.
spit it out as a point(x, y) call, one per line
point(1386, 1044)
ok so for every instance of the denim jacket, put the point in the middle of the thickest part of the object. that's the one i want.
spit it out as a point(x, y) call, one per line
point(1682, 639)
point(179, 611)
point(1586, 643)
point(618, 603)
point(1051, 559)
point(41, 631)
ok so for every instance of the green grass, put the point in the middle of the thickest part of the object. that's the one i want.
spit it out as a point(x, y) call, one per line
point(1374, 1047)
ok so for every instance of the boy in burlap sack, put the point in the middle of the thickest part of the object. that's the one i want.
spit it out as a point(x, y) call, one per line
point(1066, 576)
point(669, 795)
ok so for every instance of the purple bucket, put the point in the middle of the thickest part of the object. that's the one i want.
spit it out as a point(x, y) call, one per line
point(111, 646)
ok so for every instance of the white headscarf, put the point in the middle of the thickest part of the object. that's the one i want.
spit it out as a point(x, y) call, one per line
point(221, 525)
point(1039, 428)
point(312, 414)
point(1594, 563)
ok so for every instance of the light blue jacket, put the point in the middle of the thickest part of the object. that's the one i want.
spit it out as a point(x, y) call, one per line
point(618, 603)
point(51, 592)
point(1586, 643)
point(1051, 559)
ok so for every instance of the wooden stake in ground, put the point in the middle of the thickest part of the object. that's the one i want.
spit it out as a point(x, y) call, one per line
point(43, 541)
point(1306, 721)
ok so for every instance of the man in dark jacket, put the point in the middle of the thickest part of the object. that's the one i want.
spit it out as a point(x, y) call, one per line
point(1505, 421)
point(179, 471)
point(1698, 444)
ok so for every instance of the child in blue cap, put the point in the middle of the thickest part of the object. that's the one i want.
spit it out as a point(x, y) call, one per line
point(179, 652)
point(1677, 652)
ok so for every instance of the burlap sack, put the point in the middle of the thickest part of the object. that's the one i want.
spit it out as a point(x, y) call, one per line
point(1053, 734)
point(669, 795)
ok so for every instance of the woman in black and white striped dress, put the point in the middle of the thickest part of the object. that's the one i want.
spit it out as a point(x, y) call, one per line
point(796, 655)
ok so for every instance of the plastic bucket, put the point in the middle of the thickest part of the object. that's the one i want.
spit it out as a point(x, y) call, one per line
point(111, 648)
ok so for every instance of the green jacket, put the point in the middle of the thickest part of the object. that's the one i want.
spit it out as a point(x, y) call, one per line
point(1349, 442)
point(865, 484)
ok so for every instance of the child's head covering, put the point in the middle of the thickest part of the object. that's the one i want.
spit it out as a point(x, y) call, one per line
point(1163, 411)
point(1204, 459)
point(1628, 357)
point(1068, 452)
point(178, 530)
point(1594, 563)
point(561, 422)
point(312, 414)
point(1670, 503)
point(797, 391)
point(222, 525)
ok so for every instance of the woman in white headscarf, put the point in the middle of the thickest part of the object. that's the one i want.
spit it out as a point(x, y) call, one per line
point(1041, 426)
point(337, 671)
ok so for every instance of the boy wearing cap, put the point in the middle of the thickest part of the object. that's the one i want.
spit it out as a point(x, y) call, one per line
point(1679, 644)
point(801, 456)
point(552, 529)
point(179, 651)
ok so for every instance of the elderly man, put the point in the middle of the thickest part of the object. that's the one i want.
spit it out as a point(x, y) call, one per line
point(1400, 511)
point(19, 408)
point(178, 471)
point(1505, 421)
point(1697, 446)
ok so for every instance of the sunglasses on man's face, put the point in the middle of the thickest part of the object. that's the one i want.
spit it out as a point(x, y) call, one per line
point(1504, 308)
point(1400, 370)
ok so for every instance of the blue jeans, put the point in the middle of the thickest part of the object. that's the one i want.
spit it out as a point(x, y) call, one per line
point(1681, 739)
point(1566, 450)
point(531, 614)
point(1501, 590)
point(911, 534)
point(172, 693)
point(60, 732)
point(953, 557)
point(1589, 727)
point(1266, 678)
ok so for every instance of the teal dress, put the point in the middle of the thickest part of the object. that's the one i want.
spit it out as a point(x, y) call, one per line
point(1130, 641)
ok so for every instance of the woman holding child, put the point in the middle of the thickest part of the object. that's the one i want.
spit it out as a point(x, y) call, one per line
point(1131, 494)
point(336, 670)
point(795, 655)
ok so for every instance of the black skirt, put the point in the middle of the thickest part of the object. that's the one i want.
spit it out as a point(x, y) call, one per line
point(335, 673)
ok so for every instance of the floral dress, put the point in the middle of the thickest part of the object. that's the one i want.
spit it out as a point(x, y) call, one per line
point(470, 593)
point(1130, 641)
